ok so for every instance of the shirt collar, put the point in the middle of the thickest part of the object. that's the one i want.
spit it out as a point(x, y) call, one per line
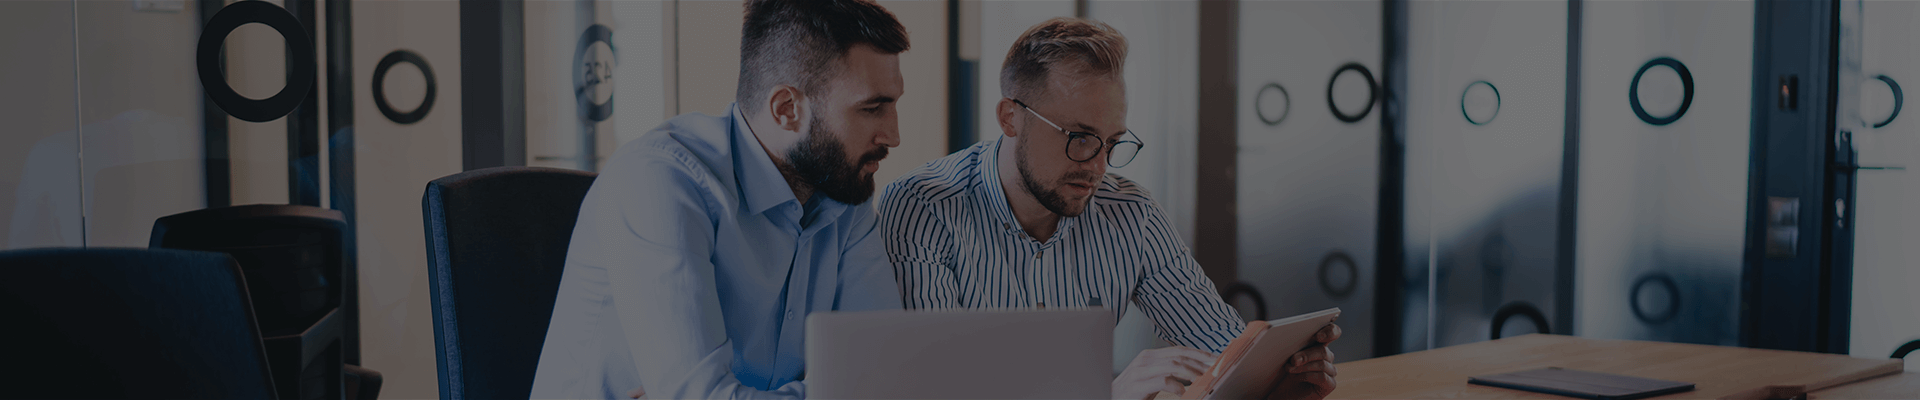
point(995, 197)
point(762, 186)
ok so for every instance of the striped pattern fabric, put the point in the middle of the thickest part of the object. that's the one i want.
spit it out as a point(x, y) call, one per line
point(954, 243)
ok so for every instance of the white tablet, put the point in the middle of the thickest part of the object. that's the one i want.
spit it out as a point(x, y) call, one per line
point(1252, 374)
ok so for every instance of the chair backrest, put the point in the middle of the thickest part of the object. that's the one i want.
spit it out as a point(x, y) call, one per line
point(295, 257)
point(298, 263)
point(128, 323)
point(496, 244)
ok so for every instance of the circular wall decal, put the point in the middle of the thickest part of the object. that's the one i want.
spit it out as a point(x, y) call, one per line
point(1898, 98)
point(1239, 288)
point(1339, 258)
point(1673, 298)
point(593, 73)
point(300, 62)
point(1523, 309)
point(380, 87)
point(1373, 93)
point(1481, 111)
point(1260, 104)
point(1686, 84)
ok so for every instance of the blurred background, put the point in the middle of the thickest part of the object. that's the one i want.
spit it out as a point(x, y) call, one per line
point(1445, 171)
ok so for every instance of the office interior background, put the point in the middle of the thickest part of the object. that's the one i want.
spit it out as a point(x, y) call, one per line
point(1719, 172)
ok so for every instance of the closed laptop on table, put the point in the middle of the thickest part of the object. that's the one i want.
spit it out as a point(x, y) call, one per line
point(960, 354)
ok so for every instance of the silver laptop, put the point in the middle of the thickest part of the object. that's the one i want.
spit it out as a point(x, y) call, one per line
point(960, 354)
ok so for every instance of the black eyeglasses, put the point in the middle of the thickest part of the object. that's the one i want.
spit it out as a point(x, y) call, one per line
point(1083, 146)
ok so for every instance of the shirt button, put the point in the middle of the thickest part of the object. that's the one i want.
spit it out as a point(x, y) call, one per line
point(789, 314)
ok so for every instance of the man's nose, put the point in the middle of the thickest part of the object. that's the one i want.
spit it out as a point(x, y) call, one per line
point(889, 137)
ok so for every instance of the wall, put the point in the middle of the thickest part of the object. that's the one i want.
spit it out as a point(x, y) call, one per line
point(39, 150)
point(1887, 236)
point(393, 163)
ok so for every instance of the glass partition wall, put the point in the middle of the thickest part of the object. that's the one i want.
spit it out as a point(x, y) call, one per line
point(1573, 167)
point(1879, 54)
point(1444, 171)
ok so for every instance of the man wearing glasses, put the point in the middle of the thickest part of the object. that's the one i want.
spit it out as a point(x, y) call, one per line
point(1031, 219)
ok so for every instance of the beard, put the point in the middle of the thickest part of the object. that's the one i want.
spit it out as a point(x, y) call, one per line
point(1048, 193)
point(821, 161)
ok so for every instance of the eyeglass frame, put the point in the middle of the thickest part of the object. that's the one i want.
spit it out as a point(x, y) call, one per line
point(1105, 146)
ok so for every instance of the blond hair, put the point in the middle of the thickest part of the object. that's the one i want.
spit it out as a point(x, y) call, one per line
point(1069, 45)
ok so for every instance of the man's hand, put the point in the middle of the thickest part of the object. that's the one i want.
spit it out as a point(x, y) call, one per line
point(1166, 369)
point(1309, 373)
point(637, 393)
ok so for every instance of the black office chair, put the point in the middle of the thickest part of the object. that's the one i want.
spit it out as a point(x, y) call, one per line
point(1519, 308)
point(300, 267)
point(128, 323)
point(496, 244)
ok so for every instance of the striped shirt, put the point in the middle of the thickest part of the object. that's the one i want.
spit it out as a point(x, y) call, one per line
point(954, 243)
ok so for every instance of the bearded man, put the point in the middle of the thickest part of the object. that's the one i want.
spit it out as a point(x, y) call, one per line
point(703, 245)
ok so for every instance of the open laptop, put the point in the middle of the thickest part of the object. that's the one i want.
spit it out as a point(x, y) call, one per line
point(974, 354)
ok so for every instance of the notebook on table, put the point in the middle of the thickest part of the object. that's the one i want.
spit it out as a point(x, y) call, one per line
point(1582, 384)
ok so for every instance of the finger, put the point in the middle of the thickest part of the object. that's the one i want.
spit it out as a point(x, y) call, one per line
point(1185, 362)
point(1185, 352)
point(1315, 366)
point(1172, 386)
point(1328, 334)
point(1316, 353)
point(637, 392)
point(1323, 381)
point(1156, 370)
point(1194, 366)
point(1182, 372)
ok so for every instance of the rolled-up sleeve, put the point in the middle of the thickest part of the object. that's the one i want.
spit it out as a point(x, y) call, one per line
point(1176, 294)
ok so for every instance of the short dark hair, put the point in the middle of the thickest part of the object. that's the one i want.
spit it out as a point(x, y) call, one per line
point(797, 42)
point(1083, 45)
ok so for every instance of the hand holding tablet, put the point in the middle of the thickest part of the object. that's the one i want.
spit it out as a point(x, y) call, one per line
point(1266, 352)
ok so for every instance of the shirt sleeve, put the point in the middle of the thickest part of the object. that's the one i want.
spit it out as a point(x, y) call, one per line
point(920, 245)
point(1185, 307)
point(648, 227)
point(866, 277)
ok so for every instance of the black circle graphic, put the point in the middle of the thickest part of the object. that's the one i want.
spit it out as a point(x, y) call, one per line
point(1520, 308)
point(1898, 99)
point(584, 79)
point(1339, 257)
point(300, 62)
point(1673, 292)
point(380, 87)
point(1496, 103)
point(1373, 92)
point(1261, 111)
point(1686, 83)
point(1259, 302)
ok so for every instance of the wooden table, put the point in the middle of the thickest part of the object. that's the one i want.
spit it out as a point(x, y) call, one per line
point(1900, 386)
point(1717, 372)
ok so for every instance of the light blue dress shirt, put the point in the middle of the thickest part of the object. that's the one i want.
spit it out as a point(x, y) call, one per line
point(692, 270)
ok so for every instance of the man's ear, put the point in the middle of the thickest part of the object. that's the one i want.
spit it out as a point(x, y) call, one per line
point(788, 107)
point(1005, 113)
